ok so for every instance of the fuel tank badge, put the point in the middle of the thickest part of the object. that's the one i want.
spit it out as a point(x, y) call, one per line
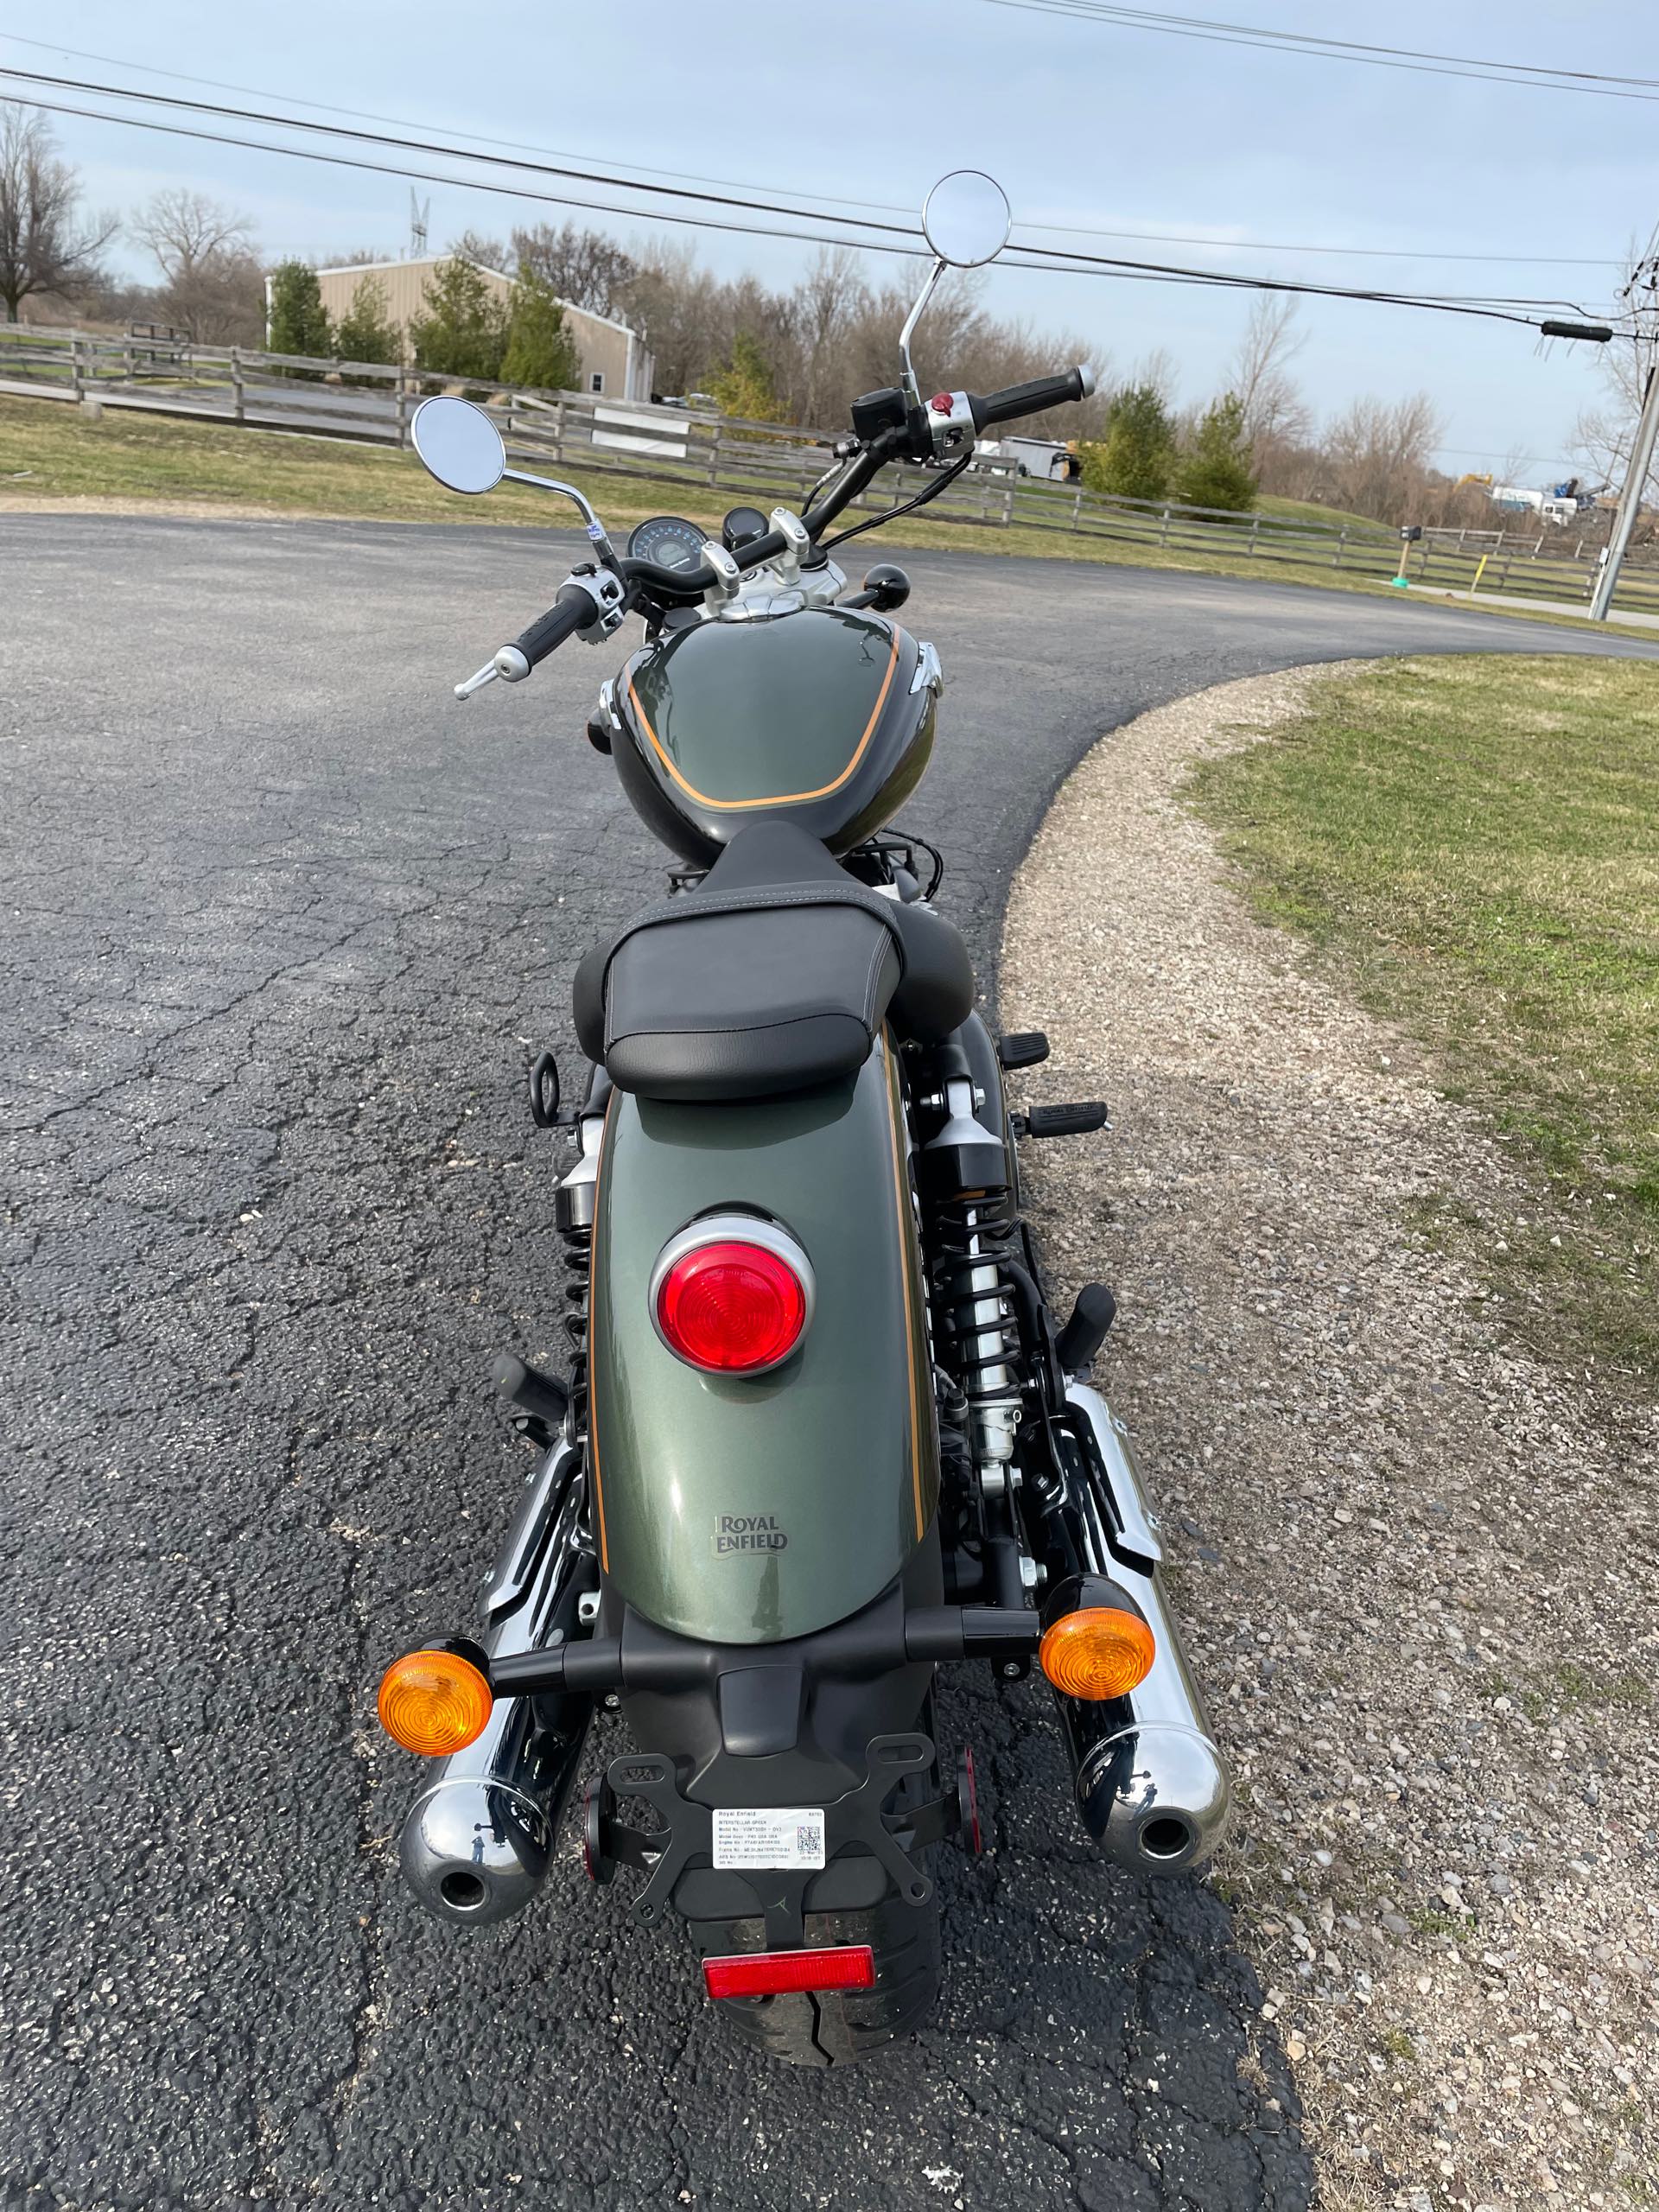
point(747, 1532)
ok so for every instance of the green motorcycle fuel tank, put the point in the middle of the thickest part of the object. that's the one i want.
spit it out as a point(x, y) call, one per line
point(823, 715)
point(752, 1510)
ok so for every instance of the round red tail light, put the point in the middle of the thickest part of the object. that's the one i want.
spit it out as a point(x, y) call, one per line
point(729, 1302)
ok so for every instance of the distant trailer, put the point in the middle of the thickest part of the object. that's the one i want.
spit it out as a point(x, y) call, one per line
point(1041, 457)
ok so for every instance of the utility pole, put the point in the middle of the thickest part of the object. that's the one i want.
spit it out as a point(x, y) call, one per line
point(1645, 277)
point(1630, 500)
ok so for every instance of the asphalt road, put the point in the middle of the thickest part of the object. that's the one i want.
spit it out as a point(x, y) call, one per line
point(283, 925)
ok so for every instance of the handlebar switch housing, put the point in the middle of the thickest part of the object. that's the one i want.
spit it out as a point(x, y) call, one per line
point(951, 423)
point(607, 592)
point(878, 411)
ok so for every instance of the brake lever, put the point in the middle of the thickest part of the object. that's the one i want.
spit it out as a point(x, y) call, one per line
point(488, 674)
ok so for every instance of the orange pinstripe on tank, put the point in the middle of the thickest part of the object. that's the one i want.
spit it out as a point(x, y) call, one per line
point(777, 798)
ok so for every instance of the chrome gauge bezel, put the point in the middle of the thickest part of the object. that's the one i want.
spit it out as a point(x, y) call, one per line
point(691, 535)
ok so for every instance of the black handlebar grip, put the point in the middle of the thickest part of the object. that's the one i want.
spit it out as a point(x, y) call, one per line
point(571, 611)
point(1032, 398)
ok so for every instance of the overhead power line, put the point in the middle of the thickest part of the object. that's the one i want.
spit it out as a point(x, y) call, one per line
point(217, 109)
point(408, 122)
point(1354, 252)
point(881, 207)
point(1533, 76)
point(893, 237)
point(699, 221)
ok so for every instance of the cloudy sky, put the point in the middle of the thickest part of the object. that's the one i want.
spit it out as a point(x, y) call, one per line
point(1221, 154)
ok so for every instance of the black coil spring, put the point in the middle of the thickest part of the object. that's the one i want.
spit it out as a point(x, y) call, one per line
point(951, 1273)
point(578, 1243)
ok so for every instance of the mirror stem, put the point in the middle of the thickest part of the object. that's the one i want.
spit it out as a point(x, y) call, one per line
point(912, 389)
point(602, 543)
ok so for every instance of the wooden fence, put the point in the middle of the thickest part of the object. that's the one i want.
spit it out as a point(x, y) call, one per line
point(763, 463)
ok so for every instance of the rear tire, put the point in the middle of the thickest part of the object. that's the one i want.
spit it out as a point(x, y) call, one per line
point(840, 2026)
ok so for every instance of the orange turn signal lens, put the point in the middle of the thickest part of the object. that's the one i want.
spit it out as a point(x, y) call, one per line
point(434, 1702)
point(1099, 1651)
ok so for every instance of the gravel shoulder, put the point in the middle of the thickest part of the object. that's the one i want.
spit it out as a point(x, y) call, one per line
point(1417, 1568)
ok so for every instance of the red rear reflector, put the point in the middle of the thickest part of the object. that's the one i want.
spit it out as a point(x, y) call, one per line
point(731, 1307)
point(779, 1973)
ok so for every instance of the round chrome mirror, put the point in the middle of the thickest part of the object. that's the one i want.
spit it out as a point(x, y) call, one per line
point(459, 444)
point(965, 217)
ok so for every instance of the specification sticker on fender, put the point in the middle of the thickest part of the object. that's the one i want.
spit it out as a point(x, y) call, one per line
point(776, 1836)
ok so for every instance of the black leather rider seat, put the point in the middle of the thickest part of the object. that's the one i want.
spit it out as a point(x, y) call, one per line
point(775, 974)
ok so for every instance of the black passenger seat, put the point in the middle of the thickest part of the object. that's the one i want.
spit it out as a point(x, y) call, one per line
point(775, 975)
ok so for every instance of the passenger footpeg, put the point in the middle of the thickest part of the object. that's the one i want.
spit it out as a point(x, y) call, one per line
point(543, 1400)
point(1025, 1048)
point(544, 1092)
point(1076, 1121)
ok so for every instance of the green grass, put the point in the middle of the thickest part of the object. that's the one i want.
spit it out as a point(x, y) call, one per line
point(130, 455)
point(1311, 511)
point(50, 452)
point(1565, 1688)
point(1474, 844)
point(1430, 1921)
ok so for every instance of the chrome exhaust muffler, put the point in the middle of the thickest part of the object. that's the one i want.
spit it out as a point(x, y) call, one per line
point(478, 1840)
point(1151, 1785)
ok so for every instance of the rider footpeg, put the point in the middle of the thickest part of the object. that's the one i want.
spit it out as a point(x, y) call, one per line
point(1075, 1121)
point(1085, 1333)
point(1024, 1048)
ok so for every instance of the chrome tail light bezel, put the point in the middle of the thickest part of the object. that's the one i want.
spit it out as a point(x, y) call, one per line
point(766, 1235)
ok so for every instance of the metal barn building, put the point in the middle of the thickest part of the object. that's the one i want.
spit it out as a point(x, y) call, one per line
point(614, 360)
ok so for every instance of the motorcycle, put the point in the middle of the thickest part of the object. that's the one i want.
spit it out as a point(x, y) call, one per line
point(821, 1433)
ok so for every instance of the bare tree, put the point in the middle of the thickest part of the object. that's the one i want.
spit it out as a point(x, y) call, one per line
point(1259, 372)
point(483, 251)
point(584, 267)
point(1377, 454)
point(1605, 433)
point(827, 302)
point(213, 283)
point(1157, 369)
point(184, 230)
point(45, 246)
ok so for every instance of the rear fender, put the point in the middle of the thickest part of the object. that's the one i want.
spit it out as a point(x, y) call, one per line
point(753, 1510)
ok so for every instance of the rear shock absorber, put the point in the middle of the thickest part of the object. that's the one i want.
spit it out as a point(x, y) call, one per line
point(979, 1344)
point(965, 1170)
point(573, 1217)
point(973, 1316)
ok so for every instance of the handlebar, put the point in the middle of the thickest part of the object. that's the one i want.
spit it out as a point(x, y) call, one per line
point(578, 607)
point(1032, 398)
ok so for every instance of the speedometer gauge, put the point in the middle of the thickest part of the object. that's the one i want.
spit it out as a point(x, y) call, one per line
point(668, 541)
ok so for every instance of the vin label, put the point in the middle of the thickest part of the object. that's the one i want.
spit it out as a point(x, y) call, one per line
point(790, 1836)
